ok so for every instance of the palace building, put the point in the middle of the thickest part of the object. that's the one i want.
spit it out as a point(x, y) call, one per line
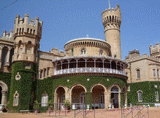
point(89, 71)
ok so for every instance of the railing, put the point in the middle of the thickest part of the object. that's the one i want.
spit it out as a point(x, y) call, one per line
point(88, 70)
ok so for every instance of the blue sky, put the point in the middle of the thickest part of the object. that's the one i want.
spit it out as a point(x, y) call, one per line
point(64, 20)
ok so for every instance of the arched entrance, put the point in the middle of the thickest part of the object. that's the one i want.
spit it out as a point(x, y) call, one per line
point(78, 96)
point(3, 93)
point(0, 94)
point(115, 96)
point(98, 100)
point(59, 98)
point(60, 95)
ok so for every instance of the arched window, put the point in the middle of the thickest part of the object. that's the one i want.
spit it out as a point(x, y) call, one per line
point(156, 96)
point(47, 71)
point(29, 46)
point(16, 99)
point(101, 52)
point(114, 89)
point(41, 72)
point(154, 73)
point(139, 95)
point(44, 100)
point(138, 73)
point(83, 51)
point(4, 55)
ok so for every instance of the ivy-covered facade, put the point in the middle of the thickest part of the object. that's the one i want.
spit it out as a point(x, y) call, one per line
point(90, 71)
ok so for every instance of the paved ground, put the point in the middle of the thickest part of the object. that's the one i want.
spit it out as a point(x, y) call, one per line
point(153, 113)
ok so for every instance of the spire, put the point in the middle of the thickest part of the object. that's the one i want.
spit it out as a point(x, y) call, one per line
point(109, 4)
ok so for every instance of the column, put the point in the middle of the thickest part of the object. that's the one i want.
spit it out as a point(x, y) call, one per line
point(4, 98)
point(94, 65)
point(76, 65)
point(107, 99)
point(103, 65)
point(68, 65)
point(24, 48)
point(61, 67)
point(0, 55)
point(116, 67)
point(55, 70)
point(85, 65)
point(110, 66)
point(55, 100)
point(8, 56)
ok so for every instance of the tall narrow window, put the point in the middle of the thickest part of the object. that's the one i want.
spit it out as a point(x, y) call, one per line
point(154, 73)
point(156, 96)
point(157, 72)
point(139, 96)
point(44, 100)
point(47, 71)
point(138, 73)
point(83, 51)
point(44, 73)
point(72, 51)
point(16, 99)
point(101, 52)
point(41, 73)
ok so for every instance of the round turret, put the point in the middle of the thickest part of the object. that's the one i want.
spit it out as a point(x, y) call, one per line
point(111, 19)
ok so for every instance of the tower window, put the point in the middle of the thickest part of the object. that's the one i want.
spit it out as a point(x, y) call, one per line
point(138, 73)
point(154, 73)
point(83, 51)
point(157, 72)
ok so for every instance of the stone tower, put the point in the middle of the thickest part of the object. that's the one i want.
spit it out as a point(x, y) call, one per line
point(23, 77)
point(111, 19)
point(26, 37)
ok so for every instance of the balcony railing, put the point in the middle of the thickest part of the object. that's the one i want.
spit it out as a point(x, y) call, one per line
point(89, 70)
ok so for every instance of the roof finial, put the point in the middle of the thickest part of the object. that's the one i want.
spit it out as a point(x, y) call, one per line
point(109, 4)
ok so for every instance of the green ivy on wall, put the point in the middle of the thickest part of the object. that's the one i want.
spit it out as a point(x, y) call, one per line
point(148, 89)
point(24, 86)
point(49, 85)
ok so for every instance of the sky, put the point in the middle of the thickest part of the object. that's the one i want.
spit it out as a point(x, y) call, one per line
point(64, 20)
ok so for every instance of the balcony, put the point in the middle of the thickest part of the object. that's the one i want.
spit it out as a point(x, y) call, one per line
point(89, 70)
point(89, 64)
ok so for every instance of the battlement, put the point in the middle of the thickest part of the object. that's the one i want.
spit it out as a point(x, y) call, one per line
point(23, 27)
point(112, 17)
point(55, 52)
point(140, 57)
point(7, 36)
point(155, 50)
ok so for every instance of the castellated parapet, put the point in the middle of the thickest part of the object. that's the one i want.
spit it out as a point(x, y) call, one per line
point(111, 19)
point(27, 36)
point(7, 36)
point(22, 27)
point(155, 50)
